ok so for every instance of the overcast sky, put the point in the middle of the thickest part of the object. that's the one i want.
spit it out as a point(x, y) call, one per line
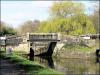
point(16, 12)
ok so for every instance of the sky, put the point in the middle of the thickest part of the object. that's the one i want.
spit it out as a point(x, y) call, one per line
point(15, 13)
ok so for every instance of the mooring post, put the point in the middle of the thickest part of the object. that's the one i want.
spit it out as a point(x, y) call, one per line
point(97, 52)
point(5, 45)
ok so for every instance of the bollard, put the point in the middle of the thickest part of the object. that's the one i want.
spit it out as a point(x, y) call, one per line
point(97, 52)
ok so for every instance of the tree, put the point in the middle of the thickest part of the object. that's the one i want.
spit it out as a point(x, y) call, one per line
point(94, 17)
point(5, 29)
point(68, 18)
point(66, 9)
point(29, 26)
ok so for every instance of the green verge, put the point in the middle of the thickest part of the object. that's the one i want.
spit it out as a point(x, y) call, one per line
point(79, 48)
point(32, 68)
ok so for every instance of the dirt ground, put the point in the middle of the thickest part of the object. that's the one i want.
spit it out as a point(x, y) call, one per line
point(7, 68)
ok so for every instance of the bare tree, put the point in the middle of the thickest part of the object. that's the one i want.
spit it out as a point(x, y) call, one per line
point(29, 26)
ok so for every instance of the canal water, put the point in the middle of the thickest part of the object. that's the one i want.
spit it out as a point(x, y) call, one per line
point(71, 66)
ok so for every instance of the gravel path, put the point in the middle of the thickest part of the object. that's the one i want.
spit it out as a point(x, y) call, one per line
point(7, 68)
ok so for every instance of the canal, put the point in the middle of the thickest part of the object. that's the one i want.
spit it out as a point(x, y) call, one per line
point(71, 66)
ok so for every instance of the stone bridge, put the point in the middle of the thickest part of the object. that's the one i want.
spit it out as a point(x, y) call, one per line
point(42, 43)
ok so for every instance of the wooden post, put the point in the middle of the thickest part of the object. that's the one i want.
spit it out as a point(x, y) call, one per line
point(5, 44)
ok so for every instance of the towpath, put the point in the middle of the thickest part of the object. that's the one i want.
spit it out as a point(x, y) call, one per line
point(7, 68)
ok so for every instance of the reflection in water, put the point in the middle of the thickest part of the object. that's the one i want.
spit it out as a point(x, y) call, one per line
point(71, 66)
point(77, 66)
point(47, 61)
point(97, 59)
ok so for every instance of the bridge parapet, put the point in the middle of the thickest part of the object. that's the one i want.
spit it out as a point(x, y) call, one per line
point(32, 37)
point(14, 41)
point(42, 37)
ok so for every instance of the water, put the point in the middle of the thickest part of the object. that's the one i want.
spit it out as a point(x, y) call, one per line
point(71, 66)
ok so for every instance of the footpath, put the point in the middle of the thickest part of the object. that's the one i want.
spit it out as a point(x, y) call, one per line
point(7, 68)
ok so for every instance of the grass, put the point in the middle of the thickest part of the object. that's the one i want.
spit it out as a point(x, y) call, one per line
point(79, 48)
point(32, 68)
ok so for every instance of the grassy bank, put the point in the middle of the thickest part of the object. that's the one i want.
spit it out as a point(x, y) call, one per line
point(80, 48)
point(75, 51)
point(31, 68)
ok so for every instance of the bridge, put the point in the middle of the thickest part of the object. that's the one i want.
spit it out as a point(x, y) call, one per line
point(42, 43)
point(92, 36)
point(49, 40)
point(42, 37)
